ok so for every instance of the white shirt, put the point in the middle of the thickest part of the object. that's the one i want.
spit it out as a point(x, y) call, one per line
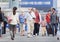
point(33, 14)
point(29, 16)
point(14, 19)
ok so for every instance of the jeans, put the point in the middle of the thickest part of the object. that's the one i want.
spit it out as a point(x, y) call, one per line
point(47, 27)
point(54, 29)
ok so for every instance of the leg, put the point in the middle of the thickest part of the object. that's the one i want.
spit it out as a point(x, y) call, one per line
point(56, 26)
point(28, 29)
point(4, 29)
point(11, 31)
point(34, 32)
point(53, 29)
point(14, 31)
point(47, 28)
point(21, 29)
point(38, 25)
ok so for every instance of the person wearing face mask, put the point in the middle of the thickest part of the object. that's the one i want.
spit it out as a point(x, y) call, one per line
point(13, 21)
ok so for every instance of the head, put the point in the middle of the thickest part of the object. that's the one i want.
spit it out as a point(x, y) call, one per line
point(22, 12)
point(14, 10)
point(35, 10)
point(53, 10)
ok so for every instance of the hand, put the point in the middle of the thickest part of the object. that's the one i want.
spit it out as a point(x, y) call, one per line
point(9, 20)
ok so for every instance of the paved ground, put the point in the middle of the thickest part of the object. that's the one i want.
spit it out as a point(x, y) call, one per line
point(18, 38)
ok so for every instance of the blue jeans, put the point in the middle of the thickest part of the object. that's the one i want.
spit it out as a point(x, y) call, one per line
point(47, 27)
point(54, 29)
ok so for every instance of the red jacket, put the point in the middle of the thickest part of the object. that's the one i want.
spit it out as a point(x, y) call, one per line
point(48, 18)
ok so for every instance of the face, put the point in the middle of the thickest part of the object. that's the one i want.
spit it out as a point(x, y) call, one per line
point(14, 12)
point(22, 13)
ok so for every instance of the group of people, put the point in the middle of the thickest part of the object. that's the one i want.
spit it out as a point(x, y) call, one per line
point(32, 18)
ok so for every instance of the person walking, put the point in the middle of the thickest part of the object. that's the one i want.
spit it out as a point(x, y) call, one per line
point(1, 22)
point(13, 21)
point(54, 21)
point(48, 23)
point(22, 23)
point(30, 22)
point(36, 22)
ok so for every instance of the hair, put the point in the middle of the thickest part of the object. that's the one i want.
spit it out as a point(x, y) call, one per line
point(14, 8)
point(53, 8)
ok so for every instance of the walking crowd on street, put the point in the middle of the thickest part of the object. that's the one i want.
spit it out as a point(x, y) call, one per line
point(30, 22)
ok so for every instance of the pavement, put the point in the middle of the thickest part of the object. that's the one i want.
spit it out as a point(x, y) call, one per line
point(18, 38)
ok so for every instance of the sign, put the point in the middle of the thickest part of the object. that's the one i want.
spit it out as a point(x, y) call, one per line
point(36, 3)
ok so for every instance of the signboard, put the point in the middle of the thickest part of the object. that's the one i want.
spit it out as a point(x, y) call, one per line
point(36, 3)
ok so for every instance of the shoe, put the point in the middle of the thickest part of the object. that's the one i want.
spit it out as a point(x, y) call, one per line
point(29, 36)
point(12, 38)
point(37, 34)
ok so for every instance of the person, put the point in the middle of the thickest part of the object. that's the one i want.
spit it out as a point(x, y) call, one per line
point(1, 21)
point(5, 23)
point(43, 26)
point(53, 19)
point(36, 22)
point(48, 24)
point(13, 21)
point(22, 23)
point(29, 17)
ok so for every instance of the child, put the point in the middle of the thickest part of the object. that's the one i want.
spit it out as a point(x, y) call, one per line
point(43, 27)
point(22, 23)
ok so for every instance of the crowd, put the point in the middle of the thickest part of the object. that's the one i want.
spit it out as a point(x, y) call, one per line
point(33, 19)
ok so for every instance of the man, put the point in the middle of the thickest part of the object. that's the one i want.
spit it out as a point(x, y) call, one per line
point(30, 24)
point(13, 20)
point(54, 21)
